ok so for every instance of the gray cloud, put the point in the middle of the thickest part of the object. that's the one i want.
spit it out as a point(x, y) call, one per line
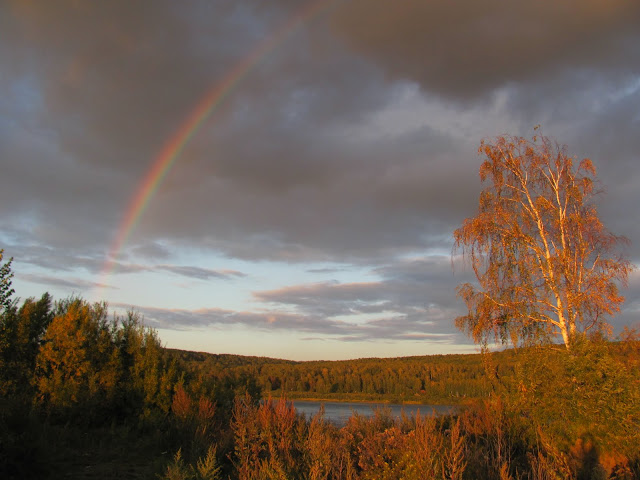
point(78, 284)
point(274, 163)
point(470, 48)
point(178, 319)
point(413, 297)
point(66, 261)
point(200, 273)
point(275, 321)
point(278, 171)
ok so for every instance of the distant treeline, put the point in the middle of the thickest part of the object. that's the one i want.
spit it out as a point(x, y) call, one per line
point(434, 379)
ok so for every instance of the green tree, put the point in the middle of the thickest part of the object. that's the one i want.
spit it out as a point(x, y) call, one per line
point(149, 375)
point(545, 263)
point(5, 282)
point(21, 334)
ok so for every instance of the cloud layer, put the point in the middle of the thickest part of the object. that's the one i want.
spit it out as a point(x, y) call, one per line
point(352, 143)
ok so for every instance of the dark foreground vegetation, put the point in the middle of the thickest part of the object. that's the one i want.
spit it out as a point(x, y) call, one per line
point(89, 395)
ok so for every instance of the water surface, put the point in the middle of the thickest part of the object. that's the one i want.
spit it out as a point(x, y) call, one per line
point(339, 412)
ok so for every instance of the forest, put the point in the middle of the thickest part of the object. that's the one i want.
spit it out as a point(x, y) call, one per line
point(434, 379)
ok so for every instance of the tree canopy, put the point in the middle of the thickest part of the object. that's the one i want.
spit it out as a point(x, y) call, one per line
point(544, 262)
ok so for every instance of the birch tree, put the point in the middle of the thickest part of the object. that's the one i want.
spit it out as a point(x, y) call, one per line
point(544, 262)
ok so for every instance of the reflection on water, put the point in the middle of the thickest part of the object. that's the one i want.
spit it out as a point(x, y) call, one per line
point(339, 412)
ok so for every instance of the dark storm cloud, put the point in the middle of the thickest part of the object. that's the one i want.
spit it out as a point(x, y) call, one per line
point(274, 173)
point(609, 137)
point(470, 48)
point(279, 171)
point(363, 202)
point(630, 313)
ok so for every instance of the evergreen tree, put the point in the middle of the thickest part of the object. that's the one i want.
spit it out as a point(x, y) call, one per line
point(5, 282)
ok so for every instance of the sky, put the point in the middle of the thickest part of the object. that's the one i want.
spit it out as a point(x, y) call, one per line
point(283, 178)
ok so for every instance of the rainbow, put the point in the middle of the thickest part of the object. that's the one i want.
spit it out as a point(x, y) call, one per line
point(172, 149)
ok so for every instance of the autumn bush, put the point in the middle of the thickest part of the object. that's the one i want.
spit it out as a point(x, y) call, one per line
point(273, 442)
point(269, 437)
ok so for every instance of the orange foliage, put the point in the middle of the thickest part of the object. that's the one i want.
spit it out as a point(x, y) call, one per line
point(545, 263)
point(77, 361)
point(181, 405)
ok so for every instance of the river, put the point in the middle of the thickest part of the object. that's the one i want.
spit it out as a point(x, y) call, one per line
point(339, 412)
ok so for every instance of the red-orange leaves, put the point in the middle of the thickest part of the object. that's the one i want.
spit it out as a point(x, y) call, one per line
point(544, 262)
